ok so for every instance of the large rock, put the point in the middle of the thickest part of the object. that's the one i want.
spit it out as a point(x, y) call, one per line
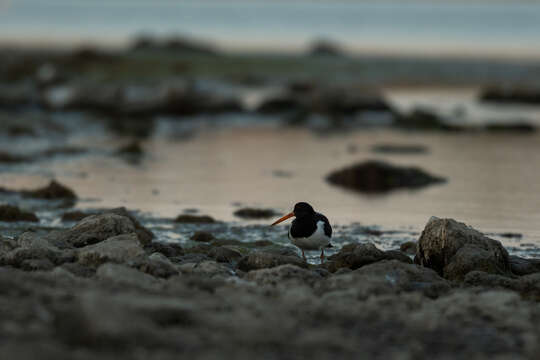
point(354, 256)
point(11, 213)
point(96, 228)
point(453, 249)
point(377, 177)
point(522, 266)
point(387, 277)
point(117, 249)
point(263, 260)
point(54, 190)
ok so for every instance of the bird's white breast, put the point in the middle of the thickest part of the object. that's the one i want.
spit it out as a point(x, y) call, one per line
point(316, 241)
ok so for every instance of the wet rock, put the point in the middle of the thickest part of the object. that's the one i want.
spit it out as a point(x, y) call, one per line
point(11, 213)
point(194, 219)
point(96, 228)
point(399, 149)
point(117, 249)
point(522, 266)
point(124, 275)
point(6, 245)
point(408, 247)
point(252, 213)
point(511, 95)
point(388, 277)
point(377, 177)
point(324, 47)
point(353, 256)
point(156, 264)
point(54, 190)
point(262, 260)
point(145, 235)
point(423, 119)
point(198, 249)
point(224, 254)
point(74, 216)
point(30, 239)
point(170, 250)
point(202, 236)
point(283, 103)
point(283, 274)
point(397, 255)
point(19, 257)
point(205, 268)
point(453, 249)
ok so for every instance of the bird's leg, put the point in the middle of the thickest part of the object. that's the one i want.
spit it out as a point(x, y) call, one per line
point(304, 256)
point(322, 256)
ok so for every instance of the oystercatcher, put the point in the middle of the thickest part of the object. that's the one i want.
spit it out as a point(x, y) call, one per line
point(310, 230)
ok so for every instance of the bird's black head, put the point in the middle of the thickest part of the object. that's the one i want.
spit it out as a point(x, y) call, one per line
point(302, 209)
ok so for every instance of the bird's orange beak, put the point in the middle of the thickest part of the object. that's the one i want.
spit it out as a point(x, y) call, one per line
point(290, 215)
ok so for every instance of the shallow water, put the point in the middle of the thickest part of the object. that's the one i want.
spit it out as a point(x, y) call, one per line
point(493, 180)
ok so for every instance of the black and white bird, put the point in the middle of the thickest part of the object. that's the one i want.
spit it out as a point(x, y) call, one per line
point(309, 230)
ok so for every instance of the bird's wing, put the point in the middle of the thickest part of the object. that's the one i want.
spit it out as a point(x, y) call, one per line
point(327, 227)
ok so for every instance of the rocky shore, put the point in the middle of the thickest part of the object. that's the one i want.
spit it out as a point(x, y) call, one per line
point(107, 288)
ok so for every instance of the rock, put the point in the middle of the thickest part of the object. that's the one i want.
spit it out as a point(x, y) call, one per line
point(283, 274)
point(522, 266)
point(388, 277)
point(144, 234)
point(397, 255)
point(116, 249)
point(324, 47)
point(198, 249)
point(79, 269)
point(11, 213)
point(202, 236)
point(170, 250)
point(54, 190)
point(263, 260)
point(514, 127)
point(30, 239)
point(399, 149)
point(19, 257)
point(423, 119)
point(156, 264)
point(252, 213)
point(511, 95)
point(378, 177)
point(206, 268)
point(280, 104)
point(194, 219)
point(453, 249)
point(96, 228)
point(6, 245)
point(36, 264)
point(408, 247)
point(353, 256)
point(74, 216)
point(224, 254)
point(124, 275)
